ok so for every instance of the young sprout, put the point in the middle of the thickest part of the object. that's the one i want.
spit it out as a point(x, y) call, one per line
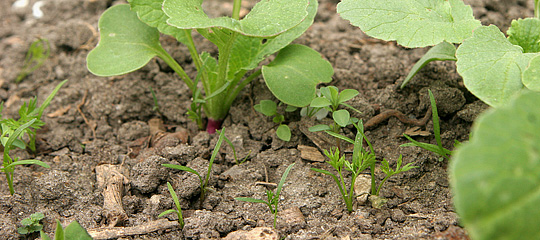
point(73, 231)
point(361, 160)
point(272, 198)
point(203, 181)
point(438, 149)
point(269, 109)
point(11, 134)
point(178, 209)
point(37, 54)
point(31, 224)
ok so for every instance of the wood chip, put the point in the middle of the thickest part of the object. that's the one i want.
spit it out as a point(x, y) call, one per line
point(118, 232)
point(259, 233)
point(59, 112)
point(111, 179)
point(415, 131)
point(310, 153)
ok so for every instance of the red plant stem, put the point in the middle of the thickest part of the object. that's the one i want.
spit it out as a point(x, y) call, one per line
point(213, 125)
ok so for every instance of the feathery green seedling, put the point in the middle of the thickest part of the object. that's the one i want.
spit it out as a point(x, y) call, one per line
point(130, 39)
point(37, 54)
point(12, 132)
point(361, 160)
point(178, 209)
point(438, 149)
point(73, 231)
point(272, 198)
point(269, 109)
point(494, 67)
point(31, 224)
point(203, 181)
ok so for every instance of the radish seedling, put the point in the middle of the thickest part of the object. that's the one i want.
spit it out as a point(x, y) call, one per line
point(273, 198)
point(130, 39)
point(494, 67)
point(495, 177)
point(12, 131)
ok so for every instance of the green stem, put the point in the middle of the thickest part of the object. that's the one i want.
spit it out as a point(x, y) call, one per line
point(373, 184)
point(242, 85)
point(537, 8)
point(176, 67)
point(351, 192)
point(192, 50)
point(380, 185)
point(236, 9)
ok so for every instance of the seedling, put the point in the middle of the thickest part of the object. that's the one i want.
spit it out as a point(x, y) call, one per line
point(203, 181)
point(361, 160)
point(269, 109)
point(130, 39)
point(31, 224)
point(178, 209)
point(331, 100)
point(37, 54)
point(273, 198)
point(437, 149)
point(494, 67)
point(73, 231)
point(495, 176)
point(12, 132)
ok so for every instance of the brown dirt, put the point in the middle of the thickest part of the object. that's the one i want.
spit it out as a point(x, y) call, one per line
point(117, 110)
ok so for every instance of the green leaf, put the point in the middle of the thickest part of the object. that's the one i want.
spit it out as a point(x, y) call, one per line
point(181, 168)
point(443, 51)
point(294, 74)
point(319, 102)
point(25, 162)
point(341, 117)
point(490, 66)
point(74, 231)
point(531, 75)
point(282, 181)
point(346, 95)
point(495, 177)
point(267, 18)
point(166, 212)
point(59, 233)
point(319, 127)
point(252, 200)
point(37, 54)
point(44, 236)
point(411, 23)
point(266, 107)
point(260, 49)
point(151, 13)
point(284, 132)
point(126, 44)
point(525, 33)
point(337, 135)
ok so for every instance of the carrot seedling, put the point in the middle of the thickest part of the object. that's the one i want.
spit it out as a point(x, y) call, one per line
point(130, 39)
point(272, 198)
point(12, 132)
point(37, 54)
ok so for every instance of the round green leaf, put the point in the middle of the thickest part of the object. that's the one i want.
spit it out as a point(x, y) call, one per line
point(266, 107)
point(411, 23)
point(126, 44)
point(319, 102)
point(531, 75)
point(341, 117)
point(284, 132)
point(490, 65)
point(346, 95)
point(495, 177)
point(294, 74)
point(267, 18)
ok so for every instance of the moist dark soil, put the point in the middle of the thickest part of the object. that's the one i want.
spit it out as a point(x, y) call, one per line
point(95, 122)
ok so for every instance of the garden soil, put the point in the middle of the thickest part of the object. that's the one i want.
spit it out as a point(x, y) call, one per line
point(102, 134)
